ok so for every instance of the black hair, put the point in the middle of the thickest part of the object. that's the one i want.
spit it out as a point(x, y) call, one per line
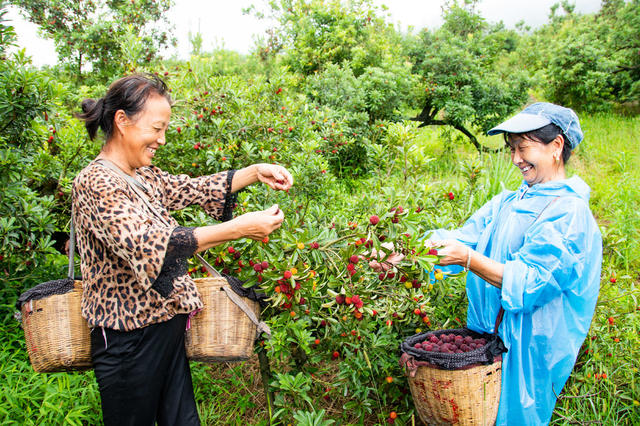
point(129, 94)
point(545, 135)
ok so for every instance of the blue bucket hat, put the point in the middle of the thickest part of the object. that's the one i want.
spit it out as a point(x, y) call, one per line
point(539, 115)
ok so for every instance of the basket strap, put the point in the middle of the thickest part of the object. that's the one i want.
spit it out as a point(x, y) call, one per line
point(134, 185)
point(498, 320)
point(262, 326)
point(72, 247)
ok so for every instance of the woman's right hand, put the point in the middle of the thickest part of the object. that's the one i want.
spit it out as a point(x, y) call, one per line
point(257, 225)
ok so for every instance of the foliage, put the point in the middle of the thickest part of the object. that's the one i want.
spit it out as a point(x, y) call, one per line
point(587, 62)
point(7, 32)
point(315, 33)
point(464, 85)
point(109, 36)
point(339, 130)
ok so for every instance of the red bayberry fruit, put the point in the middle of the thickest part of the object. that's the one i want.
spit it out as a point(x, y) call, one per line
point(433, 252)
point(354, 259)
point(611, 321)
point(374, 220)
point(257, 267)
point(335, 355)
point(231, 250)
point(287, 275)
point(450, 195)
point(340, 299)
point(355, 299)
point(316, 342)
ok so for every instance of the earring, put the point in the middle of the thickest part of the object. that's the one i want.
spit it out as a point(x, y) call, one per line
point(557, 158)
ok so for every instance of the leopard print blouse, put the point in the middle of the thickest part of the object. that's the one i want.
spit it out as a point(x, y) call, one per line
point(123, 246)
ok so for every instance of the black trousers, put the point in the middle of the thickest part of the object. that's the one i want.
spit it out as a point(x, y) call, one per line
point(144, 376)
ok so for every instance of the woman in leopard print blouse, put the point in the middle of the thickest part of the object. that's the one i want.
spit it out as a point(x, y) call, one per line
point(137, 293)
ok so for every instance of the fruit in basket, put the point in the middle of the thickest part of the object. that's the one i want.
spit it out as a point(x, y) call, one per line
point(450, 343)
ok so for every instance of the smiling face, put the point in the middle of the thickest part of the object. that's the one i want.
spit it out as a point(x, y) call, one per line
point(537, 160)
point(143, 133)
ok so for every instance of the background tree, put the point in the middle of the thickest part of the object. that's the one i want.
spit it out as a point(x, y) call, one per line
point(588, 62)
point(95, 32)
point(465, 86)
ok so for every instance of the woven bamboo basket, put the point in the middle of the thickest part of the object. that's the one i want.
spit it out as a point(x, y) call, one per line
point(457, 397)
point(221, 331)
point(56, 334)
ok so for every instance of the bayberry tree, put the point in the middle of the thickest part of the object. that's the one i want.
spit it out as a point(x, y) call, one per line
point(97, 34)
point(467, 84)
point(588, 62)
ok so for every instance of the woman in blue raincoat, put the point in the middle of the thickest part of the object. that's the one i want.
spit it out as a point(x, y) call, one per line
point(537, 253)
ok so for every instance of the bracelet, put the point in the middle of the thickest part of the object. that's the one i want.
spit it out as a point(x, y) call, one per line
point(468, 259)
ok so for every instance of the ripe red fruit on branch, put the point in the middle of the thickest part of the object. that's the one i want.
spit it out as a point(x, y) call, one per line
point(355, 299)
point(264, 265)
point(450, 195)
point(287, 275)
point(611, 320)
point(433, 252)
point(374, 220)
point(339, 299)
point(231, 250)
point(354, 259)
point(335, 355)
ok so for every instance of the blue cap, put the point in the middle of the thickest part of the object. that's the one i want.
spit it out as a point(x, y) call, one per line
point(539, 115)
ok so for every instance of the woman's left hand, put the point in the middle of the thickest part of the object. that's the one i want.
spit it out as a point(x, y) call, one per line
point(452, 252)
point(277, 177)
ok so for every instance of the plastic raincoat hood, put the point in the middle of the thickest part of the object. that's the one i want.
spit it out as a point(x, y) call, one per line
point(551, 248)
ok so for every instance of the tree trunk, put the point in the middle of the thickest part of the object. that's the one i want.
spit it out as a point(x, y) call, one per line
point(427, 118)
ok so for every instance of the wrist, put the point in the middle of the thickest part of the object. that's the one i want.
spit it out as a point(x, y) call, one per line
point(467, 265)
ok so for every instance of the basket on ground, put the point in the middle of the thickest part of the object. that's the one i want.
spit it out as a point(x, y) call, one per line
point(222, 331)
point(453, 381)
point(57, 336)
point(457, 397)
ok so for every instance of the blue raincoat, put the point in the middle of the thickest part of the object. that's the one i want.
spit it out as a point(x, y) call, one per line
point(551, 248)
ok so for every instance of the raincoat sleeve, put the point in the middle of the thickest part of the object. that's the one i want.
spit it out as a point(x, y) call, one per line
point(469, 233)
point(552, 259)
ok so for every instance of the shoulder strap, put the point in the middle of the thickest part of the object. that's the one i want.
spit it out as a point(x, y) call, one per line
point(261, 325)
point(136, 189)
